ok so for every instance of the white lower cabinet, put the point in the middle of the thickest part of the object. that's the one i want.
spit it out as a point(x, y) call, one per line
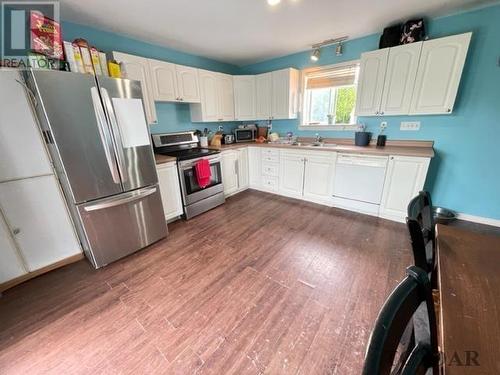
point(254, 167)
point(170, 190)
point(307, 175)
point(235, 173)
point(39, 221)
point(318, 176)
point(229, 161)
point(404, 178)
point(11, 265)
point(291, 182)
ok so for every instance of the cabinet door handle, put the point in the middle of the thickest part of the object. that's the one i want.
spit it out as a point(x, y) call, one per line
point(16, 231)
point(381, 113)
point(448, 110)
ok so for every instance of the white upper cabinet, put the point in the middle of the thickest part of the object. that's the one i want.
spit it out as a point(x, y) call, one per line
point(400, 78)
point(164, 80)
point(264, 95)
point(174, 83)
point(217, 98)
point(19, 131)
point(244, 98)
point(11, 265)
point(208, 110)
point(27, 204)
point(439, 72)
point(137, 68)
point(225, 92)
point(371, 82)
point(285, 85)
point(187, 84)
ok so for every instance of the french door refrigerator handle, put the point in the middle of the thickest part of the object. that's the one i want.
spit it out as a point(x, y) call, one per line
point(104, 134)
point(123, 199)
point(118, 145)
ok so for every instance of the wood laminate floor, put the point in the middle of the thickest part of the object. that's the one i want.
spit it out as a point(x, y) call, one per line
point(262, 284)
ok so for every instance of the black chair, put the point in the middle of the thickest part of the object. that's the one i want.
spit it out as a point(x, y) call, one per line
point(420, 223)
point(396, 318)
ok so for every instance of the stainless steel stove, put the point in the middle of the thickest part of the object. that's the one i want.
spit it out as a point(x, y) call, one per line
point(184, 147)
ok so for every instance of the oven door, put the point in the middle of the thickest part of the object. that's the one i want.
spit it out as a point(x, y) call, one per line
point(191, 191)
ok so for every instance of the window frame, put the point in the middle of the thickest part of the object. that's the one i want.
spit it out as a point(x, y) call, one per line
point(302, 96)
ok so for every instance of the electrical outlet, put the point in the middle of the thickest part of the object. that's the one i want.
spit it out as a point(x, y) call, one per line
point(383, 125)
point(270, 126)
point(221, 128)
point(410, 125)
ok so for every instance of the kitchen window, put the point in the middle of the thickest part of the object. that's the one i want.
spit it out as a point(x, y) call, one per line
point(329, 97)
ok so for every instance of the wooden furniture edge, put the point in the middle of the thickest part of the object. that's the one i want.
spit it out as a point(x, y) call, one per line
point(30, 275)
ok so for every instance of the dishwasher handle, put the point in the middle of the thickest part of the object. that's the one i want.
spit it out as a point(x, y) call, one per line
point(365, 161)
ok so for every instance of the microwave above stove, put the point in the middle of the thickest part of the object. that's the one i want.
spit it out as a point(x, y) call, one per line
point(248, 134)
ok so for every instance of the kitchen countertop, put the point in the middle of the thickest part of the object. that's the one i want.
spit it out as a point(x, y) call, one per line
point(400, 148)
point(162, 159)
point(423, 149)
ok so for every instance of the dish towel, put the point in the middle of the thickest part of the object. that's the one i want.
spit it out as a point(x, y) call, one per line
point(203, 172)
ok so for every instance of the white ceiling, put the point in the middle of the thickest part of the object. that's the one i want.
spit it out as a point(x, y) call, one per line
point(247, 31)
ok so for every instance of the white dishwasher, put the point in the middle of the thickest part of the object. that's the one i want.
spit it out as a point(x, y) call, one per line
point(359, 182)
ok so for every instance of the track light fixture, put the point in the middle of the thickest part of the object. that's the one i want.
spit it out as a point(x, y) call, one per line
point(338, 49)
point(315, 54)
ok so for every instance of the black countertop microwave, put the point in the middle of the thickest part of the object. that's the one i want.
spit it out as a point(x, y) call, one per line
point(245, 134)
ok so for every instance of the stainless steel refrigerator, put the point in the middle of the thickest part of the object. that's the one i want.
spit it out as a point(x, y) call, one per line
point(97, 136)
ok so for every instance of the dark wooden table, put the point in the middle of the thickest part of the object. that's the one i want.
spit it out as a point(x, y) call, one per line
point(469, 284)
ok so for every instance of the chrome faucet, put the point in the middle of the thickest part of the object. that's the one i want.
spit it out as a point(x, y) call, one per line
point(319, 138)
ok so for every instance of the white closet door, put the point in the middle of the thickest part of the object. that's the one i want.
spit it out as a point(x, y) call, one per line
point(371, 82)
point(35, 211)
point(439, 72)
point(11, 265)
point(188, 84)
point(400, 79)
point(22, 152)
point(164, 81)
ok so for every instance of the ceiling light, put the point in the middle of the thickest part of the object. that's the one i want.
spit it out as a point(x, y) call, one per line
point(315, 54)
point(273, 2)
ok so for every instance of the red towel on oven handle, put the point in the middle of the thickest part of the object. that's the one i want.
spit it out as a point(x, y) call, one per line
point(203, 172)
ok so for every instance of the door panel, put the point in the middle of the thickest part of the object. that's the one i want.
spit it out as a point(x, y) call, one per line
point(225, 94)
point(243, 177)
point(209, 99)
point(229, 161)
point(170, 190)
point(79, 135)
point(318, 177)
point(164, 80)
point(244, 97)
point(400, 79)
point(19, 131)
point(264, 88)
point(371, 82)
point(11, 265)
point(137, 163)
point(439, 72)
point(34, 208)
point(187, 83)
point(291, 181)
point(123, 224)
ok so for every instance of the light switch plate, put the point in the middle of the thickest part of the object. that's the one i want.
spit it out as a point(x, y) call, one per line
point(410, 125)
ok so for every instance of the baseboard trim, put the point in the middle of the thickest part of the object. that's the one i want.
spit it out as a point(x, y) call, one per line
point(479, 219)
point(30, 275)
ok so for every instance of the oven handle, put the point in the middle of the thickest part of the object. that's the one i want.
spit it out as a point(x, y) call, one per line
point(192, 163)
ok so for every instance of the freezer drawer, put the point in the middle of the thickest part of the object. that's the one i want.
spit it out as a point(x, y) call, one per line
point(122, 224)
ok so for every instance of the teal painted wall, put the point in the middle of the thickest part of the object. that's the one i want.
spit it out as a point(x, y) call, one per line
point(465, 174)
point(171, 116)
